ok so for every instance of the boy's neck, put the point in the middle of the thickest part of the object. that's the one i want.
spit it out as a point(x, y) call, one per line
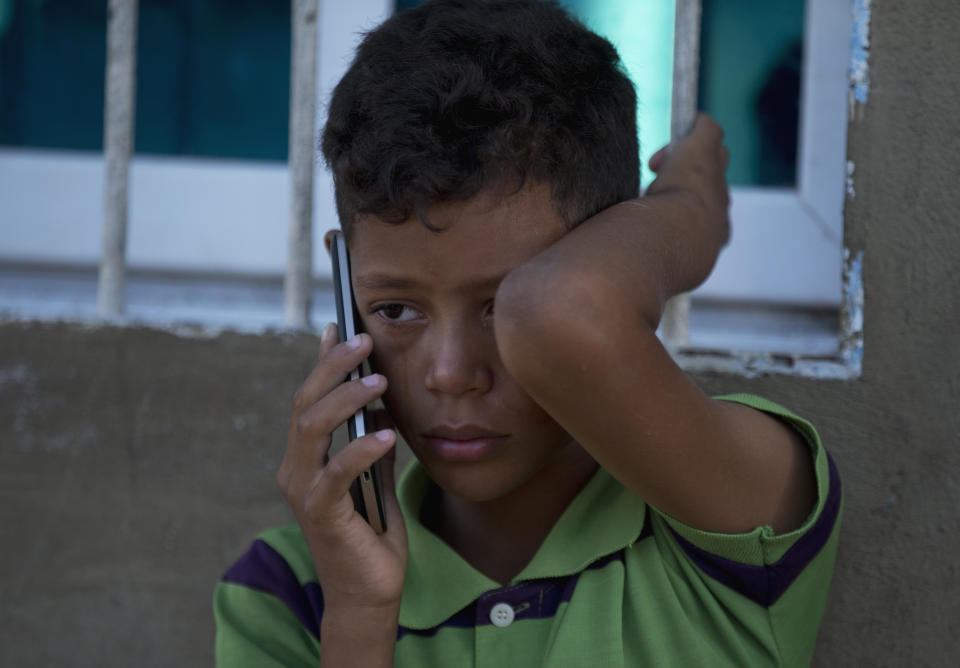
point(499, 537)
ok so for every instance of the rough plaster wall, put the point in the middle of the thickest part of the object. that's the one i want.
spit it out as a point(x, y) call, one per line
point(905, 418)
point(135, 465)
point(895, 432)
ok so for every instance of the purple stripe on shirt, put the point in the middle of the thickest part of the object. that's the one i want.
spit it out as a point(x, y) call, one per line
point(539, 599)
point(264, 569)
point(465, 618)
point(764, 585)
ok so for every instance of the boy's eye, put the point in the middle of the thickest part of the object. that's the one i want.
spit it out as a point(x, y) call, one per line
point(397, 312)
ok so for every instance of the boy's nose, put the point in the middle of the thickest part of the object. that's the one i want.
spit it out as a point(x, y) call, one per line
point(458, 363)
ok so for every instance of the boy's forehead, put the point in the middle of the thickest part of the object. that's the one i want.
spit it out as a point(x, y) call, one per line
point(486, 234)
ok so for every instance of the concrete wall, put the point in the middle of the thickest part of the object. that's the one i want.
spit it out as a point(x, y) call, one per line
point(135, 465)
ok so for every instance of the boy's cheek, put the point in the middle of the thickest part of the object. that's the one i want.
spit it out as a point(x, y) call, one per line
point(401, 387)
point(391, 359)
point(397, 401)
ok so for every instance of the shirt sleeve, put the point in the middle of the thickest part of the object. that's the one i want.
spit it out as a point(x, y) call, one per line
point(786, 576)
point(266, 613)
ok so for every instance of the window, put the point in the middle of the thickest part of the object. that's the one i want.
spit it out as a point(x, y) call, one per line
point(210, 197)
point(780, 278)
point(209, 191)
point(788, 229)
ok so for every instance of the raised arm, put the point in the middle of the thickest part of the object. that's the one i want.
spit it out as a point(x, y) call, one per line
point(576, 327)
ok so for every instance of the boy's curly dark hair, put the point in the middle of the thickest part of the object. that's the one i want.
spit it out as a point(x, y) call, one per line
point(454, 96)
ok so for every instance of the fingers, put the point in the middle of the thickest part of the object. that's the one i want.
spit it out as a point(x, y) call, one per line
point(657, 159)
point(705, 133)
point(332, 484)
point(336, 363)
point(705, 124)
point(310, 431)
point(305, 463)
point(317, 487)
point(322, 404)
point(328, 339)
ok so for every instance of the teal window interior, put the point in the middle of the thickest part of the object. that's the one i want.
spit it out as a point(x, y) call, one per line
point(213, 76)
point(750, 73)
point(52, 57)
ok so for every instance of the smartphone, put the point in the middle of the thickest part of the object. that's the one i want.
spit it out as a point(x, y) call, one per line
point(365, 490)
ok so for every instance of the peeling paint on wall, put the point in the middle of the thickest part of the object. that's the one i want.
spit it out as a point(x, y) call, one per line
point(851, 193)
point(859, 54)
point(847, 366)
point(851, 311)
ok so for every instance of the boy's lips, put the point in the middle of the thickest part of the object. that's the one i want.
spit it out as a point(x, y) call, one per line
point(462, 443)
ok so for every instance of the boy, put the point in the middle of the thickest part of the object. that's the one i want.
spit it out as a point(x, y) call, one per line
point(577, 501)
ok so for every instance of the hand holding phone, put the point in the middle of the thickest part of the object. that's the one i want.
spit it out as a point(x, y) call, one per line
point(366, 490)
point(360, 565)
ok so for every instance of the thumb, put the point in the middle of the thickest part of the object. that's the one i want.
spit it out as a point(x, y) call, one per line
point(657, 159)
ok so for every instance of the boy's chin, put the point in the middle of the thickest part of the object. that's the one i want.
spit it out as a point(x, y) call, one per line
point(477, 483)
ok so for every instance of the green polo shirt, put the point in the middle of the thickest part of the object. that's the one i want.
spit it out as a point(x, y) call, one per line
point(615, 583)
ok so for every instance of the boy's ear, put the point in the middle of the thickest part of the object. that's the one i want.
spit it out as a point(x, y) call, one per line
point(328, 239)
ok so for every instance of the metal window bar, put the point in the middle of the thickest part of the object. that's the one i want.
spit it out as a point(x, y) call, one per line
point(118, 120)
point(686, 62)
point(303, 93)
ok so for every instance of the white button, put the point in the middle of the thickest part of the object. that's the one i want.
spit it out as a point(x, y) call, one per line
point(501, 615)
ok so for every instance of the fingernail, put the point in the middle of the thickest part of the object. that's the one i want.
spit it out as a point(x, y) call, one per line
point(384, 435)
point(355, 342)
point(328, 332)
point(373, 380)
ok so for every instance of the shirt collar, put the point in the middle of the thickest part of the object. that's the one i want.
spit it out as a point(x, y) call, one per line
point(603, 518)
